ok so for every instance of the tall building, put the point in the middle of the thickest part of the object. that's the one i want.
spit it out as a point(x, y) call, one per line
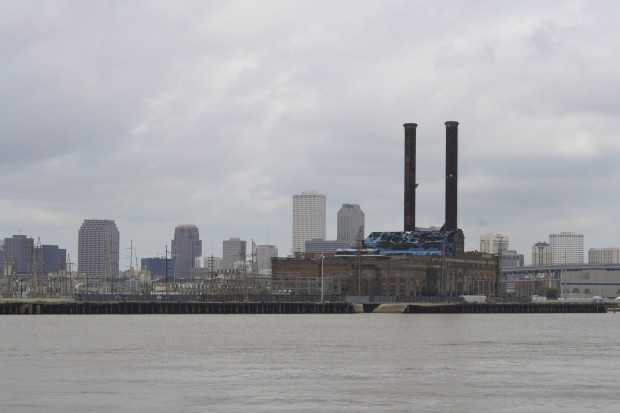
point(511, 258)
point(350, 223)
point(18, 252)
point(566, 248)
point(233, 254)
point(490, 243)
point(156, 267)
point(54, 259)
point(264, 254)
point(308, 219)
point(604, 256)
point(98, 248)
point(541, 254)
point(213, 264)
point(185, 246)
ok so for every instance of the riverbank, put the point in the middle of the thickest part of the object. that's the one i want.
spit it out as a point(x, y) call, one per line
point(71, 307)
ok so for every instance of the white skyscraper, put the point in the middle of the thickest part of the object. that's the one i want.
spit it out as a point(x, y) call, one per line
point(566, 248)
point(98, 248)
point(350, 223)
point(308, 219)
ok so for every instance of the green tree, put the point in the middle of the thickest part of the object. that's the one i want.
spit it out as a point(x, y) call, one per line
point(586, 291)
point(575, 290)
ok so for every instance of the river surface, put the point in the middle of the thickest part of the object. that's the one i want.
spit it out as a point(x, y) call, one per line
point(310, 363)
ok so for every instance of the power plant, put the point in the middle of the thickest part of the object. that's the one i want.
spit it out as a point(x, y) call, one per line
point(413, 262)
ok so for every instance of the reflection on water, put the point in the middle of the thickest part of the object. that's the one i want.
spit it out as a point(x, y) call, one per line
point(310, 363)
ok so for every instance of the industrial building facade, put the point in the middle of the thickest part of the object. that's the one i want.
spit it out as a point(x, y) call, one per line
point(404, 276)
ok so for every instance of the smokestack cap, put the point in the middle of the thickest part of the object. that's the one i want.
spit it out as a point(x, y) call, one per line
point(410, 125)
point(451, 124)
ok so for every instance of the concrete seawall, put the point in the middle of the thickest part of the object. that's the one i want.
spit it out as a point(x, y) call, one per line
point(113, 307)
point(175, 308)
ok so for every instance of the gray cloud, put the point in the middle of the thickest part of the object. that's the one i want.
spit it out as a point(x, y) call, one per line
point(215, 113)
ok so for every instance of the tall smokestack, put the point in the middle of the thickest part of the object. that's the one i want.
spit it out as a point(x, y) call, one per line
point(452, 159)
point(410, 185)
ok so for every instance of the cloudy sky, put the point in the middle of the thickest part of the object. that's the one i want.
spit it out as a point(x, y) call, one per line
point(214, 113)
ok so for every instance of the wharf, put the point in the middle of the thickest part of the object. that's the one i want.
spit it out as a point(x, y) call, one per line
point(191, 307)
point(174, 307)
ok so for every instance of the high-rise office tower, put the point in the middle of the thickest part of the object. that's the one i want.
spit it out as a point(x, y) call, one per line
point(350, 223)
point(185, 246)
point(98, 248)
point(18, 252)
point(233, 254)
point(308, 219)
point(566, 248)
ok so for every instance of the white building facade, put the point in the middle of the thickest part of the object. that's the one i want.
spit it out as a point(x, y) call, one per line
point(490, 243)
point(566, 248)
point(308, 219)
point(604, 256)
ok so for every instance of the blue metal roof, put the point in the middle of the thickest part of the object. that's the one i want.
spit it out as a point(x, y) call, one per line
point(419, 242)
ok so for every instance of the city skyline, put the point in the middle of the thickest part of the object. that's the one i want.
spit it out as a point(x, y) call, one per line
point(230, 123)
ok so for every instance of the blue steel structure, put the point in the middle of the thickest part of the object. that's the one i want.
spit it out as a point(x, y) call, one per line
point(413, 243)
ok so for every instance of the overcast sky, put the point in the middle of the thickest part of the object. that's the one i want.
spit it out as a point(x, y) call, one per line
point(214, 113)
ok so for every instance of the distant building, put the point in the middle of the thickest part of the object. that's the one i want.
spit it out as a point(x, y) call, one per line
point(566, 248)
point(511, 258)
point(350, 223)
point(185, 246)
point(264, 254)
point(2, 256)
point(490, 243)
point(308, 219)
point(18, 254)
point(604, 256)
point(98, 248)
point(233, 254)
point(212, 263)
point(54, 259)
point(319, 246)
point(157, 266)
point(541, 254)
